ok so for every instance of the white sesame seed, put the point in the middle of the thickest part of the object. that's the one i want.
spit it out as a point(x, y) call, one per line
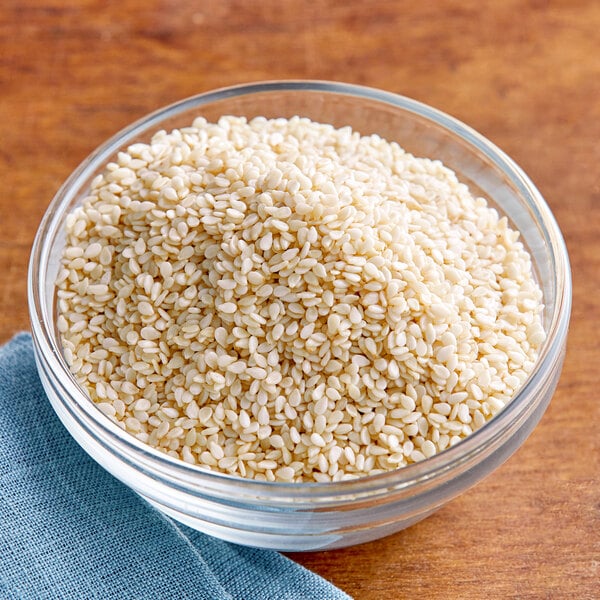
point(317, 440)
point(227, 307)
point(256, 372)
point(285, 473)
point(219, 309)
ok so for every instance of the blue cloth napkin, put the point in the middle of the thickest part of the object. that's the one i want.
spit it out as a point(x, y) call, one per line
point(68, 529)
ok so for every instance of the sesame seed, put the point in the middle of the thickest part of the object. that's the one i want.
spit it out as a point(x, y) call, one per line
point(227, 308)
point(317, 440)
point(305, 320)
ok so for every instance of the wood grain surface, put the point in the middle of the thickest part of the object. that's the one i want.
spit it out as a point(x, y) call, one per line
point(524, 73)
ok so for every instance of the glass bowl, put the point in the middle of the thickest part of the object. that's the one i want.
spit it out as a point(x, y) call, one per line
point(313, 516)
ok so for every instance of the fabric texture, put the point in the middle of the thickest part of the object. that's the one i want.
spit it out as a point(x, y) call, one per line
point(68, 529)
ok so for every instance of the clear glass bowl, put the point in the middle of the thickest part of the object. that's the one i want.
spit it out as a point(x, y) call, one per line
point(312, 516)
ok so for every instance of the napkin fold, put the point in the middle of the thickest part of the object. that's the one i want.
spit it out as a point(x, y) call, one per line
point(68, 529)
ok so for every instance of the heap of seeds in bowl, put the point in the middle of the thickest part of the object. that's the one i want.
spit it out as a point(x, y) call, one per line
point(286, 301)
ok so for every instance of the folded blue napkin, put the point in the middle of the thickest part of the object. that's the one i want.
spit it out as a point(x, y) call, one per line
point(68, 529)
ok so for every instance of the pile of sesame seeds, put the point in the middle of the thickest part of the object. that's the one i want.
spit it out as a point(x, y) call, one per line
point(283, 300)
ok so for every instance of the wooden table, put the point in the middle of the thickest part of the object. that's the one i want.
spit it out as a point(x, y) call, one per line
point(524, 73)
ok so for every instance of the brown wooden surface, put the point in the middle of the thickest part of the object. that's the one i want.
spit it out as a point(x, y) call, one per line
point(524, 73)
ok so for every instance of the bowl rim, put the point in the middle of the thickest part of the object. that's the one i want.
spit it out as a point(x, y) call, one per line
point(47, 343)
